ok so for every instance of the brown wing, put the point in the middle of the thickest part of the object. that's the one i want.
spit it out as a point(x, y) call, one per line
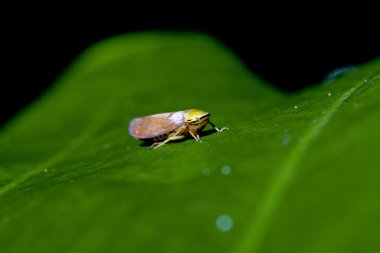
point(151, 126)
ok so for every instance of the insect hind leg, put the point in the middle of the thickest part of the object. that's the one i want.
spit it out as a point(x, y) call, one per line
point(170, 138)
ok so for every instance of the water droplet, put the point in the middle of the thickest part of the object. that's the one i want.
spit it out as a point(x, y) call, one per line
point(224, 223)
point(366, 81)
point(329, 94)
point(206, 171)
point(46, 170)
point(296, 107)
point(286, 137)
point(225, 170)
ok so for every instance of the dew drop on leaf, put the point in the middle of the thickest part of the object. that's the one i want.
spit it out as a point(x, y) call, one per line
point(224, 223)
point(225, 170)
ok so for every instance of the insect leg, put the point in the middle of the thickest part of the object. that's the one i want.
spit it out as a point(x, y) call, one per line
point(170, 138)
point(218, 129)
point(195, 136)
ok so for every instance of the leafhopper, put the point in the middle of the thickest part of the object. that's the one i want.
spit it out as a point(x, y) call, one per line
point(169, 126)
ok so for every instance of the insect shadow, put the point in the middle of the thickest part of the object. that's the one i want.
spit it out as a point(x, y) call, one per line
point(147, 143)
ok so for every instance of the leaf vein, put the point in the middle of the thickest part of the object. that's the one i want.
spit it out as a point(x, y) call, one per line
point(260, 222)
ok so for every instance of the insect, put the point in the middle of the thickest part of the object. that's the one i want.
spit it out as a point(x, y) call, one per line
point(169, 126)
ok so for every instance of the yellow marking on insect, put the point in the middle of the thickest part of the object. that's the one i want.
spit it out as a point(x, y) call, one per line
point(164, 127)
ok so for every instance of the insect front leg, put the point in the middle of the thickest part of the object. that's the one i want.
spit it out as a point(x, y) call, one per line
point(218, 129)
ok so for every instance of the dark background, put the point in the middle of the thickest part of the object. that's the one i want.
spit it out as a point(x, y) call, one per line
point(291, 52)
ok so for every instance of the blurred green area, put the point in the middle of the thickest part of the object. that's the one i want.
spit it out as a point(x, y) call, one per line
point(294, 173)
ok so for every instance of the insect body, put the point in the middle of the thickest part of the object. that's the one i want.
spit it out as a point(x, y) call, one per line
point(164, 127)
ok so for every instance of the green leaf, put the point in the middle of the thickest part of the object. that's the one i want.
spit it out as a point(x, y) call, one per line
point(294, 173)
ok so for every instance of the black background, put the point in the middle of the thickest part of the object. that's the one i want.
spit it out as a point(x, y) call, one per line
point(290, 51)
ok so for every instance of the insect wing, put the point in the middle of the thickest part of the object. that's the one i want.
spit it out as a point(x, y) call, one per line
point(154, 125)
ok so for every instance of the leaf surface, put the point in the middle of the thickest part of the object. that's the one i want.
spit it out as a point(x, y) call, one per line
point(294, 173)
